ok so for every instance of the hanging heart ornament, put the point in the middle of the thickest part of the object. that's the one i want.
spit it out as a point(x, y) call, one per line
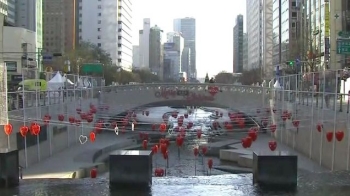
point(83, 139)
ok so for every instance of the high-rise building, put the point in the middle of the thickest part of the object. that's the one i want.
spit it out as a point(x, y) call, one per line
point(59, 25)
point(135, 57)
point(29, 15)
point(144, 43)
point(178, 40)
point(238, 45)
point(98, 23)
point(124, 34)
point(10, 19)
point(245, 51)
point(155, 51)
point(172, 61)
point(254, 32)
point(267, 39)
point(186, 60)
point(288, 28)
point(187, 27)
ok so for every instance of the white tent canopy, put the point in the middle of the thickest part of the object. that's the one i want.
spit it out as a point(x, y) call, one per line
point(55, 83)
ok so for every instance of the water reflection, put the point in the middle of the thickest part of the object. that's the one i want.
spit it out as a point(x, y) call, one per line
point(335, 184)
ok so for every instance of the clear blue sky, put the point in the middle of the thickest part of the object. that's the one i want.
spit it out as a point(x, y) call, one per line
point(215, 21)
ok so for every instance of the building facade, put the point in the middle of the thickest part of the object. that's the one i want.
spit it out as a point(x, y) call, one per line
point(186, 60)
point(10, 19)
point(187, 27)
point(267, 39)
point(124, 34)
point(172, 59)
point(29, 16)
point(155, 51)
point(59, 25)
point(245, 51)
point(136, 57)
point(144, 43)
point(254, 32)
point(110, 18)
point(238, 45)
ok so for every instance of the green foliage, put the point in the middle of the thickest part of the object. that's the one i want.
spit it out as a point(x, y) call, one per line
point(225, 78)
point(90, 53)
point(250, 77)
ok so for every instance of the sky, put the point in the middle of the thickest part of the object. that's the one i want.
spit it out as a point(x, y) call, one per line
point(214, 30)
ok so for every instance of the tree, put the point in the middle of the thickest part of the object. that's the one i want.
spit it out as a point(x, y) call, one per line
point(250, 77)
point(225, 78)
point(206, 80)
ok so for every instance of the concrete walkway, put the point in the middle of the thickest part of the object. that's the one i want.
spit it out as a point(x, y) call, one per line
point(65, 163)
point(261, 145)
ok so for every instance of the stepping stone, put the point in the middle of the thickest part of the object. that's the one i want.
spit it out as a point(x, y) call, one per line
point(246, 161)
point(233, 154)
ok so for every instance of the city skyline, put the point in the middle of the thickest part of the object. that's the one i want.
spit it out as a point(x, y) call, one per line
point(209, 58)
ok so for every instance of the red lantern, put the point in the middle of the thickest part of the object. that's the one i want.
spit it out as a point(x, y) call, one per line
point(319, 127)
point(35, 129)
point(252, 133)
point(159, 172)
point(154, 149)
point(273, 128)
point(229, 126)
point(195, 152)
point(272, 145)
point(162, 127)
point(93, 173)
point(179, 141)
point(296, 123)
point(23, 131)
point(204, 150)
point(241, 123)
point(71, 120)
point(8, 129)
point(329, 136)
point(92, 136)
point(210, 163)
point(199, 134)
point(339, 135)
point(144, 144)
point(60, 117)
point(167, 142)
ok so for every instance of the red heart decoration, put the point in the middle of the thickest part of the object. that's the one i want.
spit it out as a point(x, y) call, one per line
point(296, 123)
point(213, 90)
point(252, 133)
point(273, 128)
point(339, 135)
point(23, 131)
point(329, 136)
point(8, 129)
point(319, 127)
point(272, 145)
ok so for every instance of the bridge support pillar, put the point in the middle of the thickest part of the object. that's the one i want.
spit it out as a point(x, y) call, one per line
point(9, 168)
point(277, 169)
point(130, 169)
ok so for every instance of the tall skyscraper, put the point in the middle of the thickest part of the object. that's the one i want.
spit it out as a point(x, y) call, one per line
point(29, 15)
point(59, 15)
point(187, 27)
point(238, 45)
point(135, 57)
point(100, 28)
point(245, 51)
point(254, 32)
point(179, 44)
point(155, 51)
point(144, 43)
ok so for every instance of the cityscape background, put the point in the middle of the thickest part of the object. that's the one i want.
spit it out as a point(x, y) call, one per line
point(178, 41)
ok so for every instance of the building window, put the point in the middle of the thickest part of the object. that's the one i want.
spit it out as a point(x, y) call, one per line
point(294, 4)
point(294, 14)
point(99, 7)
point(293, 24)
point(99, 14)
point(80, 15)
point(99, 21)
point(99, 37)
point(98, 29)
point(99, 44)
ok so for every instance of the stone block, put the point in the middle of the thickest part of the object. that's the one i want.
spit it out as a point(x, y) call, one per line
point(277, 169)
point(246, 161)
point(130, 169)
point(9, 168)
point(233, 154)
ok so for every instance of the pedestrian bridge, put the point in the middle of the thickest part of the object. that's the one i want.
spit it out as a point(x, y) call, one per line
point(264, 104)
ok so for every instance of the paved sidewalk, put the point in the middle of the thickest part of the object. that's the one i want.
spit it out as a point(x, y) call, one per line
point(261, 144)
point(63, 164)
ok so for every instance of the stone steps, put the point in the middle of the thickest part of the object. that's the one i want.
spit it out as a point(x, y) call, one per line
point(245, 161)
point(233, 154)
